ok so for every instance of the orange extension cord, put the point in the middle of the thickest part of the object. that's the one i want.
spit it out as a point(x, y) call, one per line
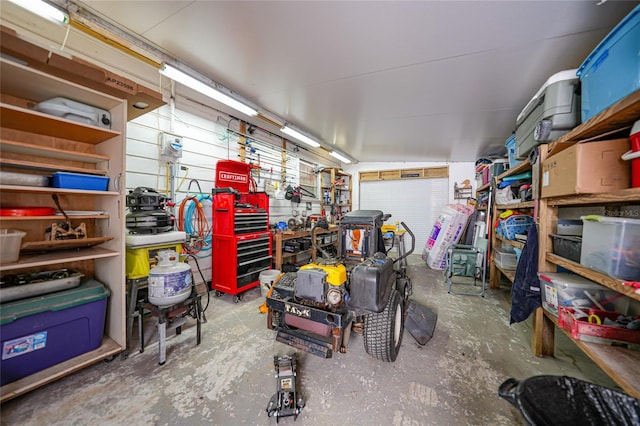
point(201, 226)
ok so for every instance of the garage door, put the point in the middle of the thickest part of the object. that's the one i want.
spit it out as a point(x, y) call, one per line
point(416, 202)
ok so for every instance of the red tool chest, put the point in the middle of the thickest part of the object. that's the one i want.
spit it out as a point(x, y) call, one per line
point(241, 238)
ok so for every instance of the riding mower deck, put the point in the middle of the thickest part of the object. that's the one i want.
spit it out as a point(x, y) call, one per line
point(365, 291)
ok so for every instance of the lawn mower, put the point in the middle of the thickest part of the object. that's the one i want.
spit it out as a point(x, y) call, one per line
point(363, 290)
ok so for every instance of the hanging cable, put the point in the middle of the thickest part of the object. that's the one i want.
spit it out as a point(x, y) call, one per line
point(193, 220)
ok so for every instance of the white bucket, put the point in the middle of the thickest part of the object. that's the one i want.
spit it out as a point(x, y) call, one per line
point(170, 280)
point(266, 279)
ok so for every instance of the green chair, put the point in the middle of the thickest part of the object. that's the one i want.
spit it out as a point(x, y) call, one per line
point(466, 265)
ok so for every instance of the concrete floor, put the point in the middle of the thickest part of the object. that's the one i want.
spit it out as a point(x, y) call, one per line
point(229, 378)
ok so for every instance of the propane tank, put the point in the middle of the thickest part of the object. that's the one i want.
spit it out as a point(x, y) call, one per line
point(170, 280)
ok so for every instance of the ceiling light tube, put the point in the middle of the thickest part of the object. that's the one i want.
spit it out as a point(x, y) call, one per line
point(299, 136)
point(45, 10)
point(340, 157)
point(183, 78)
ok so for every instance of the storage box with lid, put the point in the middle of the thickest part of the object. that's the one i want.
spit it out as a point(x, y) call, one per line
point(552, 112)
point(505, 259)
point(40, 332)
point(573, 291)
point(611, 245)
point(586, 168)
point(612, 70)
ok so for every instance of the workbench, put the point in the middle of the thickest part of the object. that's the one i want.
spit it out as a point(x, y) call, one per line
point(281, 236)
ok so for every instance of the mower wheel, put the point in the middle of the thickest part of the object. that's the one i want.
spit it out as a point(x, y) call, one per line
point(383, 331)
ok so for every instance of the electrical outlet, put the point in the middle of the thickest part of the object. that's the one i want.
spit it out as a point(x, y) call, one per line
point(170, 145)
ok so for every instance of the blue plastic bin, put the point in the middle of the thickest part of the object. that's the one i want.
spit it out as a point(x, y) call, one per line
point(612, 70)
point(516, 224)
point(80, 181)
point(42, 331)
point(511, 149)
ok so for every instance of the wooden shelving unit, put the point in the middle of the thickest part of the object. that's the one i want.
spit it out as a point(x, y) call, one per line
point(36, 143)
point(623, 365)
point(339, 195)
point(279, 255)
point(496, 273)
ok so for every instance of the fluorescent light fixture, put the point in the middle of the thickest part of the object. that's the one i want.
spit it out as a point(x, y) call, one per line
point(183, 78)
point(340, 157)
point(45, 10)
point(302, 138)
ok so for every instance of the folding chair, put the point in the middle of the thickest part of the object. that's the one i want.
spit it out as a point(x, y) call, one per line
point(466, 265)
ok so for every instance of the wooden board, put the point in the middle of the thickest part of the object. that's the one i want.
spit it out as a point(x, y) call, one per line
point(38, 246)
point(399, 174)
point(32, 121)
point(107, 349)
point(592, 275)
point(619, 116)
point(29, 261)
point(621, 196)
point(621, 364)
point(50, 152)
point(7, 162)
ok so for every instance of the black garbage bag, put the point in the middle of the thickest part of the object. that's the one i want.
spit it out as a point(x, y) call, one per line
point(560, 400)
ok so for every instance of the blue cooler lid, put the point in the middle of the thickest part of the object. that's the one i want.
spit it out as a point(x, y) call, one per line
point(612, 38)
point(87, 292)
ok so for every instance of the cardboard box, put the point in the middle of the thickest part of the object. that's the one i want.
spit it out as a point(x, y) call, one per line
point(81, 72)
point(586, 168)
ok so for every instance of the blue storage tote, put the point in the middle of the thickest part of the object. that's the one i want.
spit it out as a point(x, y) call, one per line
point(612, 70)
point(511, 149)
point(40, 332)
point(80, 181)
point(515, 224)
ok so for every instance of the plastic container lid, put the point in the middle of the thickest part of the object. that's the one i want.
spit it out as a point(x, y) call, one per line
point(28, 211)
point(564, 279)
point(87, 292)
point(597, 218)
point(533, 103)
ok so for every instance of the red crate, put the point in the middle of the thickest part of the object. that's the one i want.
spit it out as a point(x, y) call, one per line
point(581, 329)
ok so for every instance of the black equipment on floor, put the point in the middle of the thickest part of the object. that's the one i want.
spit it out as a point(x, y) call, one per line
point(286, 402)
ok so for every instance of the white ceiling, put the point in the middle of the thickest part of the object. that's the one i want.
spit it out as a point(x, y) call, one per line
point(383, 80)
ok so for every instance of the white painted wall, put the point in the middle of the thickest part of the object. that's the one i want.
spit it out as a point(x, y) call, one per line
point(207, 139)
point(458, 172)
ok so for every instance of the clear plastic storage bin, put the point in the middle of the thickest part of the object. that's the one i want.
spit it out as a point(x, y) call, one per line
point(505, 259)
point(573, 291)
point(611, 245)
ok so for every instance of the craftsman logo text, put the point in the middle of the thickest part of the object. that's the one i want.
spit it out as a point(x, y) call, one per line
point(232, 177)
